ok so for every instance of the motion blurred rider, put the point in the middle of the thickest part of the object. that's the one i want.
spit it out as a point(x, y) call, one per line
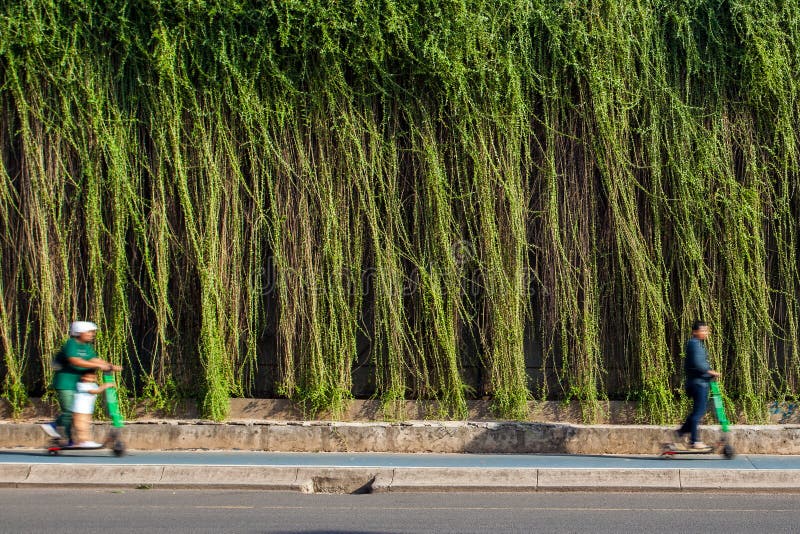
point(698, 375)
point(76, 357)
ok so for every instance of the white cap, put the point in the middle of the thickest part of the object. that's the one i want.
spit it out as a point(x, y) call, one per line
point(79, 327)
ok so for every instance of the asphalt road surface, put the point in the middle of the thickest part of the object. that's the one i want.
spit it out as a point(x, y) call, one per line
point(108, 511)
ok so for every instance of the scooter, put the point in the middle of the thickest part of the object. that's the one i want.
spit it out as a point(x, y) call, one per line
point(113, 440)
point(722, 446)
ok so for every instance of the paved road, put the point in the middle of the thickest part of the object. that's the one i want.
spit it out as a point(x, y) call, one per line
point(154, 511)
point(757, 462)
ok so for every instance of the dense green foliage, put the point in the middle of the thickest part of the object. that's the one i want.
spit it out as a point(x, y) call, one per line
point(222, 184)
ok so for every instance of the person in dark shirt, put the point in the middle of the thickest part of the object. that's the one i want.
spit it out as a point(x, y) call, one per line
point(698, 375)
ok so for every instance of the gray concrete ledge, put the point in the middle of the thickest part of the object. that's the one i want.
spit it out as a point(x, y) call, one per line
point(413, 437)
point(405, 479)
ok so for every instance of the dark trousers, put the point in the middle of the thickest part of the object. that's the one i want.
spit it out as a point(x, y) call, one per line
point(698, 391)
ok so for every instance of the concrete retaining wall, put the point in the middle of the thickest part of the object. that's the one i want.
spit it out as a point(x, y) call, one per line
point(413, 437)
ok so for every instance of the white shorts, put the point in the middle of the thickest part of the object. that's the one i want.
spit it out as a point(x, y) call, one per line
point(84, 401)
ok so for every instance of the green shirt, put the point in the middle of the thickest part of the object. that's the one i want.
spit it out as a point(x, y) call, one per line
point(67, 376)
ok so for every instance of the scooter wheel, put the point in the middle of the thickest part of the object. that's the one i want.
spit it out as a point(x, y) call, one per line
point(728, 452)
point(52, 452)
point(119, 449)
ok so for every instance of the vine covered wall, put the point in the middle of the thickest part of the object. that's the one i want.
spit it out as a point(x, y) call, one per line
point(425, 195)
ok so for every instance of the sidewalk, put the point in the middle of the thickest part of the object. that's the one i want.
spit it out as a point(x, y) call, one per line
point(375, 472)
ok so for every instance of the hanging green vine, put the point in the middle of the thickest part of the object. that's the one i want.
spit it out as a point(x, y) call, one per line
point(416, 200)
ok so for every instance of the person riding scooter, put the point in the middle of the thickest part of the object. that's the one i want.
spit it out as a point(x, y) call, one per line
point(76, 357)
point(698, 375)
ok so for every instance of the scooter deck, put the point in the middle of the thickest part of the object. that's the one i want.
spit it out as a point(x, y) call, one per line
point(722, 448)
point(58, 448)
point(670, 449)
point(113, 445)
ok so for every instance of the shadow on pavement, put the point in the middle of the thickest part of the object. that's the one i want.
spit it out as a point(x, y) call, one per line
point(656, 457)
point(24, 453)
point(328, 532)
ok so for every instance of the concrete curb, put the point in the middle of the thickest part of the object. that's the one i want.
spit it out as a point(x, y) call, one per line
point(401, 479)
point(418, 436)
